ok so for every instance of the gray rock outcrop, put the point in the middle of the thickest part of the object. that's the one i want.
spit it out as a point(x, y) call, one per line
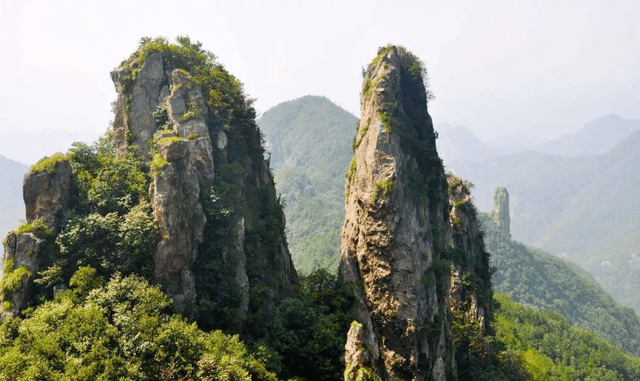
point(134, 123)
point(27, 250)
point(46, 195)
point(167, 114)
point(175, 193)
point(402, 238)
point(470, 286)
point(500, 212)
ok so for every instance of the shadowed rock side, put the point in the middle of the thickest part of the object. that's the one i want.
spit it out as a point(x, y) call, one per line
point(500, 212)
point(401, 239)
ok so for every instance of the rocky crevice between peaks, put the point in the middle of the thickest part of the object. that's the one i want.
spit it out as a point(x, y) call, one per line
point(410, 242)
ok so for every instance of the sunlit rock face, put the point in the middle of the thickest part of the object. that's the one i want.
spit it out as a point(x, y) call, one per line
point(409, 234)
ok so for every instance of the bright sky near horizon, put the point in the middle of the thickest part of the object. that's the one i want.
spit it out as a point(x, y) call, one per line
point(539, 69)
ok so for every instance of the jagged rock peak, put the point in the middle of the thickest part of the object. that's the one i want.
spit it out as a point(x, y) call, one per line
point(500, 212)
point(405, 234)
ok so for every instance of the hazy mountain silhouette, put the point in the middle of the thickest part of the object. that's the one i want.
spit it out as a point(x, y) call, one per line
point(596, 137)
point(460, 144)
point(11, 204)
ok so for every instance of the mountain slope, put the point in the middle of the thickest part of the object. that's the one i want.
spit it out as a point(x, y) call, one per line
point(11, 204)
point(308, 132)
point(533, 277)
point(542, 345)
point(310, 143)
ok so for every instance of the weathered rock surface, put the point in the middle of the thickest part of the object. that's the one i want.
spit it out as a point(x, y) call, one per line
point(398, 244)
point(175, 194)
point(25, 251)
point(470, 288)
point(46, 195)
point(134, 123)
point(500, 212)
point(189, 155)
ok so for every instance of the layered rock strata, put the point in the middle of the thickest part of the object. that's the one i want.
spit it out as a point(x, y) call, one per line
point(402, 239)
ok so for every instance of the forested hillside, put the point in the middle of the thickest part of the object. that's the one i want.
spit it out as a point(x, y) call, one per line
point(310, 143)
point(11, 204)
point(547, 348)
point(535, 278)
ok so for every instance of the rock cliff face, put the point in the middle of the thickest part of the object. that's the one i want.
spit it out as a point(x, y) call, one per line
point(410, 244)
point(500, 212)
point(202, 151)
point(221, 252)
point(27, 250)
point(46, 194)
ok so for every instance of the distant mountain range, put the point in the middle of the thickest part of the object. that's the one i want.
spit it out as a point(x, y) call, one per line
point(583, 208)
point(594, 138)
point(11, 204)
point(459, 144)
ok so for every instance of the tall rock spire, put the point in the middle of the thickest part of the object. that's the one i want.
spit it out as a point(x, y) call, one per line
point(500, 212)
point(212, 189)
point(401, 239)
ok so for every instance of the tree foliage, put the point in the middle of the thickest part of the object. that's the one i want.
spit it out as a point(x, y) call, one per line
point(309, 330)
point(119, 331)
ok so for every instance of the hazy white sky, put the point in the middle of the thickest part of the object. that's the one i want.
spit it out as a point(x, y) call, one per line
point(534, 68)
